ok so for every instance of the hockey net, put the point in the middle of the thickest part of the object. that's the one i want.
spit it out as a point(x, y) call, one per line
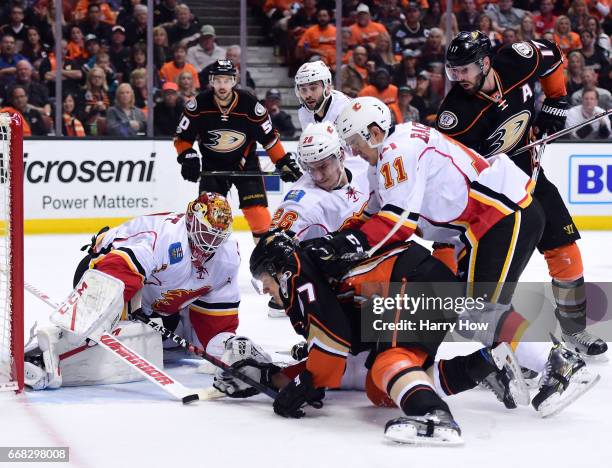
point(11, 252)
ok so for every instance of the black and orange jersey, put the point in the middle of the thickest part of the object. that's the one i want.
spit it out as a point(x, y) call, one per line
point(226, 136)
point(501, 122)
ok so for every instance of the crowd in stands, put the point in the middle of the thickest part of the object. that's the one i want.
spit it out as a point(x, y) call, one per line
point(391, 49)
point(394, 49)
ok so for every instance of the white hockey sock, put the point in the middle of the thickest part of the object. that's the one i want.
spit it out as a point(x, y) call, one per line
point(532, 355)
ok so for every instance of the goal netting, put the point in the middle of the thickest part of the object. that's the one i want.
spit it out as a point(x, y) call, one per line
point(11, 252)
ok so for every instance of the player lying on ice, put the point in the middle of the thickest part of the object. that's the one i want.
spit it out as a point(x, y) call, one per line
point(167, 264)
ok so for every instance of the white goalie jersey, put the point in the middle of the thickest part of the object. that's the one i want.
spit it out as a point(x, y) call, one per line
point(309, 211)
point(338, 101)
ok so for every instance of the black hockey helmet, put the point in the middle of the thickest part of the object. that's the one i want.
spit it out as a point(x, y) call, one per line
point(467, 47)
point(222, 67)
point(272, 252)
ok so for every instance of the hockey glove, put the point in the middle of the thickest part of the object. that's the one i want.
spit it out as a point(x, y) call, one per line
point(190, 165)
point(552, 117)
point(261, 372)
point(603, 131)
point(288, 168)
point(298, 393)
point(348, 244)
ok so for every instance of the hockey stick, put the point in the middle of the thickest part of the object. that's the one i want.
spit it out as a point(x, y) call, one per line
point(240, 173)
point(560, 133)
point(192, 348)
point(537, 163)
point(132, 358)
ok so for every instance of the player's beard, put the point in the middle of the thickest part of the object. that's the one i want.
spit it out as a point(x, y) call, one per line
point(223, 99)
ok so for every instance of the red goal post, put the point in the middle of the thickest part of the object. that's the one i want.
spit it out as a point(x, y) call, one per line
point(11, 252)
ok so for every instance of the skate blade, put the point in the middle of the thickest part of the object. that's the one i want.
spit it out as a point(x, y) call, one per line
point(277, 314)
point(210, 393)
point(408, 435)
point(580, 383)
point(504, 356)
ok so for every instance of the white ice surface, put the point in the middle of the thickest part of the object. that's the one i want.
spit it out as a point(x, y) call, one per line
point(135, 425)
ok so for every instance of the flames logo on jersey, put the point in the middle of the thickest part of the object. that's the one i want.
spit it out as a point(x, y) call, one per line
point(175, 299)
point(509, 133)
point(352, 193)
point(225, 140)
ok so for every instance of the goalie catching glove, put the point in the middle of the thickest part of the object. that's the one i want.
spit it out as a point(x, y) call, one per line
point(190, 165)
point(288, 168)
point(251, 360)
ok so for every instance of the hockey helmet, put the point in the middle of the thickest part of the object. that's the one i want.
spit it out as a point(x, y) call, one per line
point(222, 67)
point(272, 252)
point(311, 72)
point(209, 223)
point(467, 47)
point(318, 142)
point(359, 114)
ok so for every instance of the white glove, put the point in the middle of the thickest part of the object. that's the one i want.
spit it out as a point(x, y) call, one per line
point(248, 358)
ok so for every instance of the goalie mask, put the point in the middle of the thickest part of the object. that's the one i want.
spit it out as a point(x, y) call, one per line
point(209, 223)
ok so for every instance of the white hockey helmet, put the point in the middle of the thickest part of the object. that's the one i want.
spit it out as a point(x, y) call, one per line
point(359, 114)
point(311, 72)
point(318, 142)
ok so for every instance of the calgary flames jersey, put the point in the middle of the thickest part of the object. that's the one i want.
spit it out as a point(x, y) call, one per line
point(226, 137)
point(501, 122)
point(151, 254)
point(334, 106)
point(309, 211)
point(446, 188)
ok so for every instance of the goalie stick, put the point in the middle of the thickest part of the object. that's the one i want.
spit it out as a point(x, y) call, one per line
point(192, 348)
point(133, 359)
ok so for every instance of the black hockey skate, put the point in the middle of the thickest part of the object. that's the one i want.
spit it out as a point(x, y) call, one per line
point(507, 383)
point(564, 380)
point(435, 428)
point(585, 344)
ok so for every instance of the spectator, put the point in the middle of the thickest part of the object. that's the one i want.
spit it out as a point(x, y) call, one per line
point(401, 110)
point(594, 56)
point(168, 112)
point(126, 12)
point(33, 49)
point(16, 27)
point(18, 99)
point(433, 15)
point(161, 50)
point(206, 51)
point(429, 99)
point(578, 15)
point(546, 20)
point(508, 38)
point(97, 102)
point(454, 29)
point(365, 31)
point(136, 26)
point(467, 18)
point(76, 44)
point(43, 18)
point(138, 56)
point(526, 31)
point(589, 83)
point(389, 15)
point(565, 38)
point(432, 54)
point(164, 14)
point(383, 55)
point(485, 25)
point(71, 126)
point(280, 119)
point(504, 15)
point(319, 40)
point(381, 87)
point(575, 66)
point(81, 10)
point(304, 18)
point(354, 73)
point(186, 89)
point(601, 38)
point(119, 53)
point(38, 96)
point(138, 80)
point(600, 129)
point(93, 23)
point(347, 50)
point(186, 27)
point(124, 119)
point(234, 53)
point(8, 60)
point(92, 46)
point(410, 34)
point(72, 73)
point(171, 70)
point(405, 73)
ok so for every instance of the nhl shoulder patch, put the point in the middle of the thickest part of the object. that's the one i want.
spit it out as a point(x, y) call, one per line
point(447, 120)
point(259, 109)
point(175, 252)
point(523, 49)
point(295, 195)
point(191, 105)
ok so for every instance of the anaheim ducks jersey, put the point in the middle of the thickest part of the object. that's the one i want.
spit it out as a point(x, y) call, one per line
point(309, 211)
point(333, 108)
point(151, 254)
point(226, 136)
point(446, 188)
point(501, 122)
